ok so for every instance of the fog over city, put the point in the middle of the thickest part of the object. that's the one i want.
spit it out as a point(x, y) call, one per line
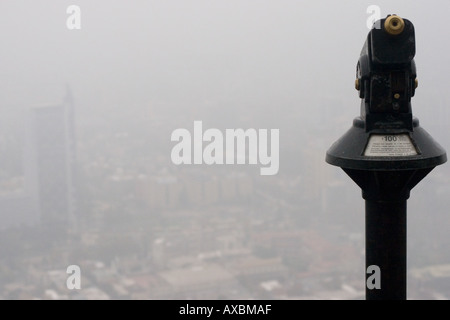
point(90, 101)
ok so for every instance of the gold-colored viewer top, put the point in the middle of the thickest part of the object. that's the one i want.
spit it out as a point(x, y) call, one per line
point(394, 25)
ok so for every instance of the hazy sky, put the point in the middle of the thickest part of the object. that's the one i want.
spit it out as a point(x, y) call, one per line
point(140, 53)
point(291, 61)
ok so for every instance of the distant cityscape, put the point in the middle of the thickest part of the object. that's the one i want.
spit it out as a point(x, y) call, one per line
point(140, 227)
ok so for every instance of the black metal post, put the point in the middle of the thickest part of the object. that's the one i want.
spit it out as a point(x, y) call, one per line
point(386, 248)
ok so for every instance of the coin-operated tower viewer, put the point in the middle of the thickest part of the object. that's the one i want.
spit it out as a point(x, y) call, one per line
point(386, 152)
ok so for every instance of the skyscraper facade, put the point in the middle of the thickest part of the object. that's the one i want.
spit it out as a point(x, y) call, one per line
point(50, 163)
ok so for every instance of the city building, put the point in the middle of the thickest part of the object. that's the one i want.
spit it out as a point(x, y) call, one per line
point(50, 162)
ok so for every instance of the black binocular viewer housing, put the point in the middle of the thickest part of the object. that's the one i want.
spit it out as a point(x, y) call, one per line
point(386, 136)
point(386, 152)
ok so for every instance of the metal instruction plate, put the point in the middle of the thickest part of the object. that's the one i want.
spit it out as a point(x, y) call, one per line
point(394, 145)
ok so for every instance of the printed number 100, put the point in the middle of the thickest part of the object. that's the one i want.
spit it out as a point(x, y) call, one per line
point(390, 138)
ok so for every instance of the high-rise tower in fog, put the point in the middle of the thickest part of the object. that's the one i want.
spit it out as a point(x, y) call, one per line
point(50, 163)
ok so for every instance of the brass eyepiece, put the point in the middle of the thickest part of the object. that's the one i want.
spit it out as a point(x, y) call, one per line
point(394, 25)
